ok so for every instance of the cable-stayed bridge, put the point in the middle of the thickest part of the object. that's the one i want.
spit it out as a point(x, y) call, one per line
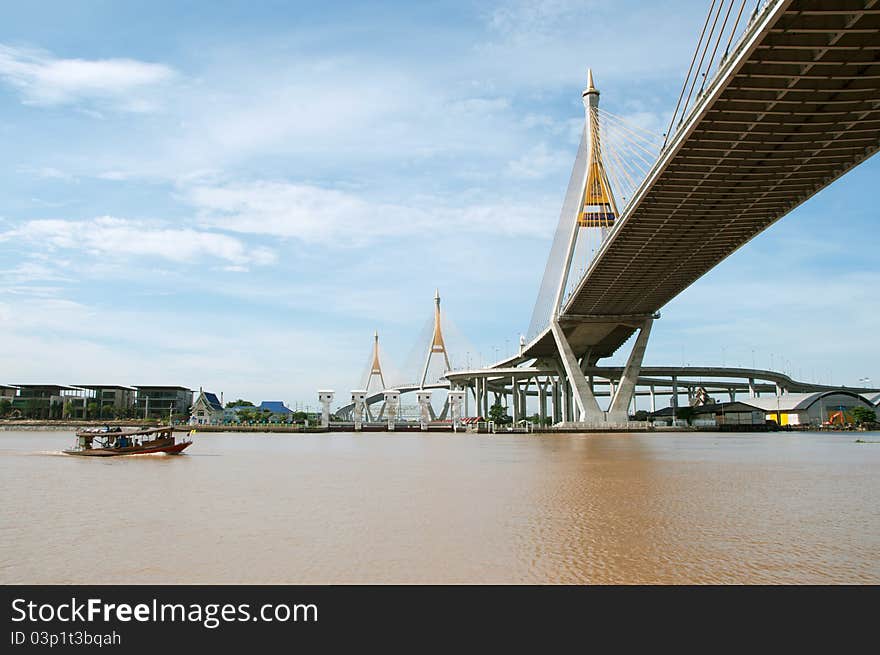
point(788, 101)
point(364, 399)
point(793, 105)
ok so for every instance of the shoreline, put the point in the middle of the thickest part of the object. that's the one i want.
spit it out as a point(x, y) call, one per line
point(71, 426)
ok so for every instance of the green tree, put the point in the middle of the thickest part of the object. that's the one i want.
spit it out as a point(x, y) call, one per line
point(239, 403)
point(641, 415)
point(5, 407)
point(498, 414)
point(92, 410)
point(863, 415)
point(246, 415)
point(536, 419)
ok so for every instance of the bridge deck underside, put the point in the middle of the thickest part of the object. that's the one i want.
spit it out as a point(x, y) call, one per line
point(801, 109)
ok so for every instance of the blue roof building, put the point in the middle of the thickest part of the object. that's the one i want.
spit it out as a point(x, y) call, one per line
point(213, 401)
point(275, 406)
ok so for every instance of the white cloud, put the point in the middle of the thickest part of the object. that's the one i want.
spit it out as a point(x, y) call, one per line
point(339, 218)
point(47, 173)
point(43, 79)
point(117, 239)
point(115, 176)
point(538, 162)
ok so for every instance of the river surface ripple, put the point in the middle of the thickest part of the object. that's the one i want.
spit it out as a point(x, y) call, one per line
point(412, 508)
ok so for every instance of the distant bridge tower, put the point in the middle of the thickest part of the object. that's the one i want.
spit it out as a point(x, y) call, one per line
point(437, 344)
point(375, 366)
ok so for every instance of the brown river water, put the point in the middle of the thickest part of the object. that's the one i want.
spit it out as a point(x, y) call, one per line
point(411, 508)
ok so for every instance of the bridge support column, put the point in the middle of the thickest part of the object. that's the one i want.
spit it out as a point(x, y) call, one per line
point(568, 403)
point(673, 401)
point(752, 392)
point(455, 400)
point(542, 400)
point(358, 399)
point(325, 397)
point(478, 397)
point(653, 400)
point(618, 411)
point(391, 406)
point(732, 394)
point(518, 390)
point(514, 400)
point(588, 408)
point(425, 409)
point(554, 401)
point(563, 398)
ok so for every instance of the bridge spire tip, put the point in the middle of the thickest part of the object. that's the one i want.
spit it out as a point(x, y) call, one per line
point(591, 93)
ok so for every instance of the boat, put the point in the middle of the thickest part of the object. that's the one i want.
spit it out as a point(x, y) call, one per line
point(110, 442)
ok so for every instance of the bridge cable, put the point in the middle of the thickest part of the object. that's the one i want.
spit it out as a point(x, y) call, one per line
point(688, 77)
point(700, 65)
point(715, 49)
point(733, 29)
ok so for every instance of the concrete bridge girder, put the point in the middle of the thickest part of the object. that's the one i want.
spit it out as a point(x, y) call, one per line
point(653, 381)
point(498, 381)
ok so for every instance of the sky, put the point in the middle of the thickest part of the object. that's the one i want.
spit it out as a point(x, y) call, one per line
point(236, 195)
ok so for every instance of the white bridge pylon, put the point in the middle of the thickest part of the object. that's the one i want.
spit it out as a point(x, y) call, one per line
point(375, 367)
point(603, 169)
point(375, 374)
point(437, 345)
point(596, 212)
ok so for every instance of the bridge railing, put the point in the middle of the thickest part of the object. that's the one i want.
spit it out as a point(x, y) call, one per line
point(728, 27)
